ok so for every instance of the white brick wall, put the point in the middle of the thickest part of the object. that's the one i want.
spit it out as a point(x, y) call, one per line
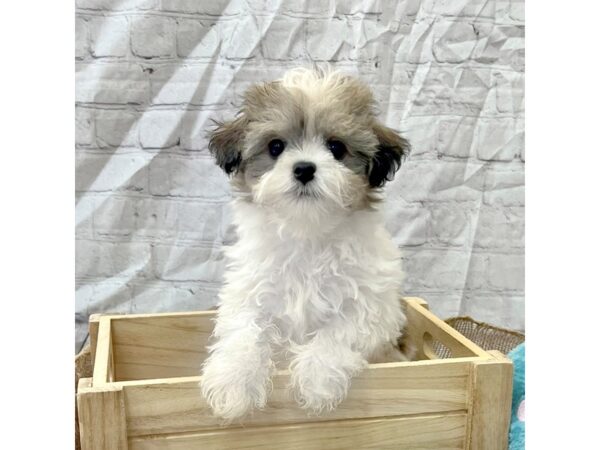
point(151, 205)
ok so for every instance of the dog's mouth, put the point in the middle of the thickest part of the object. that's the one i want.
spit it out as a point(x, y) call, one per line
point(305, 193)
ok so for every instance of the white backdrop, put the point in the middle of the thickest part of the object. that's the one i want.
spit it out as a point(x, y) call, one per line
point(151, 206)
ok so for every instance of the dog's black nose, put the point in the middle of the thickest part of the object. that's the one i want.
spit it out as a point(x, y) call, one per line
point(304, 171)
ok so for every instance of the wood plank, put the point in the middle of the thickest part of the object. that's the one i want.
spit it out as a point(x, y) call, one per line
point(103, 360)
point(93, 324)
point(491, 403)
point(388, 389)
point(422, 321)
point(439, 432)
point(101, 415)
point(160, 346)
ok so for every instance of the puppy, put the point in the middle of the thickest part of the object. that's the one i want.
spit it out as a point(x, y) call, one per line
point(313, 281)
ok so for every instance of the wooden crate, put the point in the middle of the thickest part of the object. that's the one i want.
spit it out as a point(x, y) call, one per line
point(144, 394)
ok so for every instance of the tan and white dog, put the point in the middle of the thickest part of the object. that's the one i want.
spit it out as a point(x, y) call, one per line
point(313, 281)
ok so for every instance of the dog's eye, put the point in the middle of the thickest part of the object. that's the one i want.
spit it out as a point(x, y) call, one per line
point(337, 148)
point(276, 146)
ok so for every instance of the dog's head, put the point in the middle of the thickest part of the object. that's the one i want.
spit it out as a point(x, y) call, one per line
point(308, 147)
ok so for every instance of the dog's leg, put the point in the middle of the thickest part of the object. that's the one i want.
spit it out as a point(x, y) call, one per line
point(322, 368)
point(235, 377)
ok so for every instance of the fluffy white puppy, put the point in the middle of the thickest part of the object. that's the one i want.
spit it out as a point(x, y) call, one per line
point(313, 280)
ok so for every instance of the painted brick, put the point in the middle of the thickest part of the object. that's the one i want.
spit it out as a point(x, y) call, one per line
point(101, 173)
point(500, 227)
point(507, 272)
point(410, 223)
point(95, 259)
point(454, 91)
point(160, 129)
point(243, 40)
point(463, 8)
point(119, 83)
point(477, 272)
point(103, 297)
point(153, 36)
point(117, 128)
point(197, 38)
point(84, 126)
point(212, 8)
point(411, 41)
point(363, 7)
point(450, 223)
point(442, 305)
point(419, 131)
point(499, 45)
point(263, 6)
point(517, 10)
point(322, 8)
point(193, 220)
point(428, 269)
point(455, 137)
point(407, 8)
point(507, 309)
point(400, 86)
point(419, 181)
point(194, 128)
point(187, 177)
point(505, 187)
point(187, 263)
point(198, 84)
point(82, 45)
point(497, 139)
point(84, 212)
point(167, 297)
point(115, 216)
point(284, 39)
point(109, 36)
point(326, 39)
point(121, 5)
point(509, 88)
point(454, 42)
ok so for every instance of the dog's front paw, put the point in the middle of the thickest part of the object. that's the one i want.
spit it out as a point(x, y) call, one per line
point(232, 394)
point(319, 386)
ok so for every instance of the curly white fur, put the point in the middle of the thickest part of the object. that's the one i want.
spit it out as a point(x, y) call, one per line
point(312, 284)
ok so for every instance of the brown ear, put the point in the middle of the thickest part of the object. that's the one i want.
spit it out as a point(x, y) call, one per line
point(226, 142)
point(391, 151)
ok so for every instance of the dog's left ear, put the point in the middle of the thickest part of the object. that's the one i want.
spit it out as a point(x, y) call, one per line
point(391, 151)
point(226, 142)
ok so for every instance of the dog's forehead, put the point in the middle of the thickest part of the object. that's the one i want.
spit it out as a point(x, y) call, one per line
point(310, 105)
point(311, 95)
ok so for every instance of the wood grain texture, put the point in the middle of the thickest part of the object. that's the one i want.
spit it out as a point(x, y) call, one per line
point(160, 346)
point(103, 361)
point(491, 403)
point(390, 389)
point(102, 422)
point(93, 324)
point(421, 321)
point(439, 432)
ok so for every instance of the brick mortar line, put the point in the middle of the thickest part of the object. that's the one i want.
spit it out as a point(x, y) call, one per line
point(191, 61)
point(207, 245)
point(369, 16)
point(231, 107)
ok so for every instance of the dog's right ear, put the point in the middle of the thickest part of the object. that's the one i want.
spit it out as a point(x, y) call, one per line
point(226, 141)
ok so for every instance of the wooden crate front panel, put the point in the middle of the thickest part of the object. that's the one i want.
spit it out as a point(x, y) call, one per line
point(392, 389)
point(147, 347)
point(439, 432)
